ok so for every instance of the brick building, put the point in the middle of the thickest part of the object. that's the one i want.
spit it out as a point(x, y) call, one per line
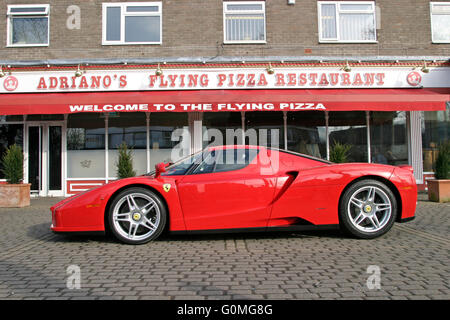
point(79, 77)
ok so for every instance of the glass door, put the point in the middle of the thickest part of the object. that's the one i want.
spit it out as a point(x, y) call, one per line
point(54, 160)
point(35, 158)
point(45, 159)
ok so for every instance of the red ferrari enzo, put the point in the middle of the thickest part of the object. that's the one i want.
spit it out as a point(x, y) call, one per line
point(252, 188)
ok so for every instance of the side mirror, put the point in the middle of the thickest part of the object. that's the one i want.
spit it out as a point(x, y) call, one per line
point(160, 167)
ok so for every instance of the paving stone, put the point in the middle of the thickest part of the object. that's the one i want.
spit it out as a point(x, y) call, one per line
point(413, 261)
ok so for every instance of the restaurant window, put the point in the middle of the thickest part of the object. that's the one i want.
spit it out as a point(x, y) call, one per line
point(349, 127)
point(136, 23)
point(265, 128)
point(306, 133)
point(388, 137)
point(440, 22)
point(345, 21)
point(45, 117)
point(129, 128)
point(244, 22)
point(86, 146)
point(222, 128)
point(9, 134)
point(435, 130)
point(28, 25)
point(168, 130)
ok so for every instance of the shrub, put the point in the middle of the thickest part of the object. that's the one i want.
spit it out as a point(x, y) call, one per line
point(339, 152)
point(125, 162)
point(443, 161)
point(12, 162)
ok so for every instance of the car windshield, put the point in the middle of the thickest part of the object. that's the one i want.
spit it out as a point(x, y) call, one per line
point(181, 166)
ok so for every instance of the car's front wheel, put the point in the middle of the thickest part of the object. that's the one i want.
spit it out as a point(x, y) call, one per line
point(136, 216)
point(368, 209)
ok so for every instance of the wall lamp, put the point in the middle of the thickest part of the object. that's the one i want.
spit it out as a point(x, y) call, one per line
point(158, 71)
point(347, 67)
point(79, 72)
point(424, 68)
point(269, 69)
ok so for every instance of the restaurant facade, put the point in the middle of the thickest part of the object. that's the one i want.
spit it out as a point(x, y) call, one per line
point(70, 121)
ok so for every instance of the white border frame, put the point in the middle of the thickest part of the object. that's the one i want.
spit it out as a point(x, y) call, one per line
point(123, 13)
point(431, 21)
point(225, 11)
point(29, 15)
point(338, 10)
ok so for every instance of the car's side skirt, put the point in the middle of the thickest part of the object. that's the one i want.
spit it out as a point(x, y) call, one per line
point(259, 229)
point(80, 233)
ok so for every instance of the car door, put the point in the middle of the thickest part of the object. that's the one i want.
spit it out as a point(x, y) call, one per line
point(227, 190)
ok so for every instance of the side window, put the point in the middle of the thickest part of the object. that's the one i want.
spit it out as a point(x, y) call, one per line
point(226, 160)
point(207, 165)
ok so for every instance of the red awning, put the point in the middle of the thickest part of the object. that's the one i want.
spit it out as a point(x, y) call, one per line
point(227, 100)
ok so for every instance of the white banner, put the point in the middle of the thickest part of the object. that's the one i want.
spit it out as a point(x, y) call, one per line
point(236, 78)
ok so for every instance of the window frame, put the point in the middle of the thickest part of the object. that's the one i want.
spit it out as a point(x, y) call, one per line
point(225, 11)
point(431, 20)
point(10, 16)
point(338, 10)
point(123, 6)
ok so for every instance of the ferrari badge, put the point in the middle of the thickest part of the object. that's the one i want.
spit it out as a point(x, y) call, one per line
point(166, 187)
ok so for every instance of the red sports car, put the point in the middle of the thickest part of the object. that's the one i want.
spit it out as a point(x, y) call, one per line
point(251, 188)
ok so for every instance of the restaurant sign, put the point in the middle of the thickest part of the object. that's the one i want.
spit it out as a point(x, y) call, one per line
point(237, 78)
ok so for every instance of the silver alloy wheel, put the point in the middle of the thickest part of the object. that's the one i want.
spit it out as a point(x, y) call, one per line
point(136, 216)
point(369, 209)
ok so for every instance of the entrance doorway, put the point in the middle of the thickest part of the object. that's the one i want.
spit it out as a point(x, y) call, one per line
point(45, 158)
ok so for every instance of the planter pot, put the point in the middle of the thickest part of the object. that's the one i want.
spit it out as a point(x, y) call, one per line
point(439, 190)
point(14, 195)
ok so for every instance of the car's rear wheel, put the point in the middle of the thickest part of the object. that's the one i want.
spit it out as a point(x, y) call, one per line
point(136, 216)
point(368, 209)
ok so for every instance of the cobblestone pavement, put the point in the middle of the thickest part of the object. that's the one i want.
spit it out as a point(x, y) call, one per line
point(413, 259)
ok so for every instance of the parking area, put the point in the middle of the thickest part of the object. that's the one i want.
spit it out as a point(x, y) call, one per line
point(410, 262)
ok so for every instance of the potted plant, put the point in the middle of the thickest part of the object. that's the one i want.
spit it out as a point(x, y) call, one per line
point(14, 194)
point(439, 188)
point(125, 162)
point(339, 152)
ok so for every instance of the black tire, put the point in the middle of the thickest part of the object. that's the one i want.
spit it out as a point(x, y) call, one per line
point(128, 218)
point(357, 205)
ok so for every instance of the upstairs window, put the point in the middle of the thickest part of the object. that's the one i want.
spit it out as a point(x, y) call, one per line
point(132, 23)
point(244, 22)
point(342, 21)
point(440, 22)
point(28, 25)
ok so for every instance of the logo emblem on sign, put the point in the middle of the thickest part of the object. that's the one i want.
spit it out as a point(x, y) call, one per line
point(414, 78)
point(166, 187)
point(10, 83)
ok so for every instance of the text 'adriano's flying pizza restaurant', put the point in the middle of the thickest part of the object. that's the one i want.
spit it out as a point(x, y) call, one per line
point(70, 119)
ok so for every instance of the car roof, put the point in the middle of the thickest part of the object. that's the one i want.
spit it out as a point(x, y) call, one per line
point(235, 146)
point(242, 146)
